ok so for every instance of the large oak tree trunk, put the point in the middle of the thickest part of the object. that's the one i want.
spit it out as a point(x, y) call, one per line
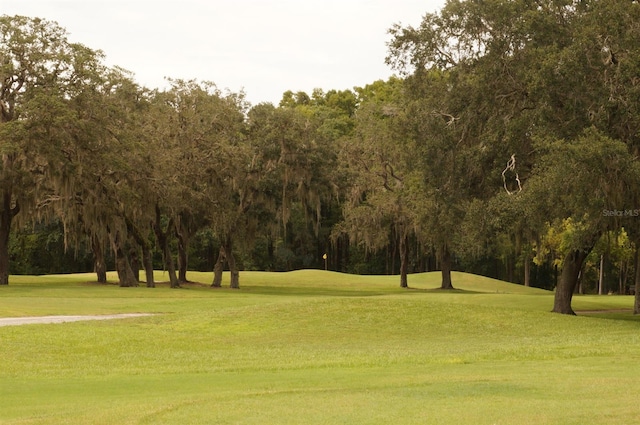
point(123, 267)
point(99, 263)
point(527, 270)
point(404, 261)
point(571, 267)
point(147, 264)
point(134, 261)
point(445, 266)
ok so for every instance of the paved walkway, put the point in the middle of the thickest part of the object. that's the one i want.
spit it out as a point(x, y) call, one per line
point(14, 321)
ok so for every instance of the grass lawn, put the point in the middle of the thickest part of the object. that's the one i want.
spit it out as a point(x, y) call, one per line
point(316, 347)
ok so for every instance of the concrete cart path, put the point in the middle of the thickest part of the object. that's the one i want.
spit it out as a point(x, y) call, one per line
point(14, 321)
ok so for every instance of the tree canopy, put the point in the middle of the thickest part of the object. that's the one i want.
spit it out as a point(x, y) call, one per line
point(506, 119)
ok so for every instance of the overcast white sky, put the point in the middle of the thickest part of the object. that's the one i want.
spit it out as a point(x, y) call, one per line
point(262, 46)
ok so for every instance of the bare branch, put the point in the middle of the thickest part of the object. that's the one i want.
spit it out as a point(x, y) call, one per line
point(511, 166)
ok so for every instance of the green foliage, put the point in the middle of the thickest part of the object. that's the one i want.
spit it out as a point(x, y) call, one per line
point(41, 250)
point(513, 126)
point(374, 160)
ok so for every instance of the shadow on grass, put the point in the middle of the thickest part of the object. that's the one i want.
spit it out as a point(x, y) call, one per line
point(624, 314)
point(344, 292)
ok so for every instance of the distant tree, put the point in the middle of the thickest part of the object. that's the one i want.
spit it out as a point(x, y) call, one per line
point(377, 210)
point(296, 149)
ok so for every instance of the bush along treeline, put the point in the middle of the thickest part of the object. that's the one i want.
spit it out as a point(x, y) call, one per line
point(507, 145)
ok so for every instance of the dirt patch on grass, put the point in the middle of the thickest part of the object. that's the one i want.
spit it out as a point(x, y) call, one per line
point(15, 321)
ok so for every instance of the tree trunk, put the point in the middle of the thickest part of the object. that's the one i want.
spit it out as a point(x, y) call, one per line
point(636, 304)
point(344, 250)
point(163, 242)
point(601, 275)
point(169, 263)
point(233, 267)
point(183, 256)
point(394, 250)
point(143, 242)
point(99, 264)
point(5, 229)
point(404, 260)
point(218, 268)
point(580, 289)
point(271, 255)
point(386, 260)
point(509, 268)
point(134, 260)
point(527, 270)
point(123, 267)
point(147, 263)
point(571, 267)
point(6, 217)
point(445, 266)
point(622, 278)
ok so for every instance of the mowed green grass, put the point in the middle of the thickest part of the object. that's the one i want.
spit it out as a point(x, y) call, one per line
point(316, 347)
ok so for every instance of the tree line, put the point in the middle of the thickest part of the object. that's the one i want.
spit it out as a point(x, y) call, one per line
point(506, 145)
